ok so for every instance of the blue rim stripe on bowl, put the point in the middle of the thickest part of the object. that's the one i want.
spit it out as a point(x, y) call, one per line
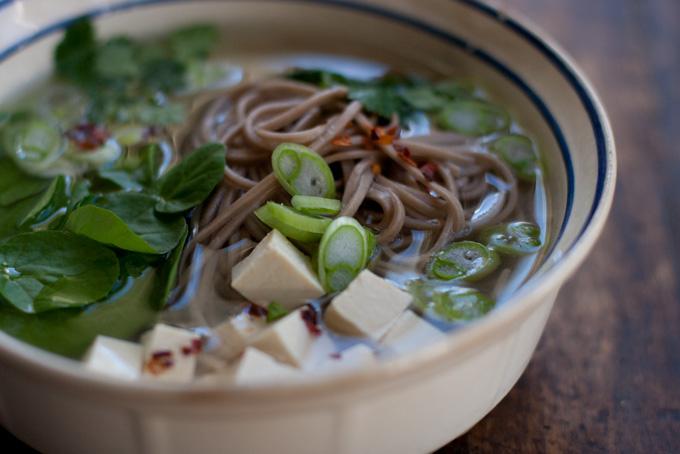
point(562, 67)
point(574, 80)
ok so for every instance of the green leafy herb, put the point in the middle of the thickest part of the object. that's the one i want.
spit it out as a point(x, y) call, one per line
point(133, 264)
point(164, 74)
point(275, 311)
point(16, 185)
point(192, 180)
point(193, 42)
point(48, 270)
point(74, 56)
point(12, 215)
point(115, 59)
point(130, 221)
point(51, 206)
point(124, 314)
point(129, 81)
point(167, 275)
point(135, 171)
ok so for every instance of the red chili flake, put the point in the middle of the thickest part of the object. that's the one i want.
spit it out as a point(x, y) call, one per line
point(382, 136)
point(159, 362)
point(309, 316)
point(405, 155)
point(87, 136)
point(336, 355)
point(342, 141)
point(376, 169)
point(161, 354)
point(256, 311)
point(429, 169)
point(193, 349)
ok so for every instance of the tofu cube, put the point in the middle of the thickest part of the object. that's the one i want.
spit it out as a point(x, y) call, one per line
point(236, 333)
point(170, 354)
point(276, 271)
point(256, 367)
point(356, 357)
point(409, 333)
point(114, 357)
point(367, 307)
point(287, 340)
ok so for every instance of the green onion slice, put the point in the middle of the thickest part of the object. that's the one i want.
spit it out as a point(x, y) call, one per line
point(461, 304)
point(473, 117)
point(515, 238)
point(343, 253)
point(34, 144)
point(464, 260)
point(290, 223)
point(316, 205)
point(518, 151)
point(301, 171)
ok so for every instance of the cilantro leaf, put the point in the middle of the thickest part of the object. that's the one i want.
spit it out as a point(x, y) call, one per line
point(74, 56)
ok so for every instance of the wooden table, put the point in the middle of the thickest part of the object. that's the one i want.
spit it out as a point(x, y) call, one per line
point(606, 375)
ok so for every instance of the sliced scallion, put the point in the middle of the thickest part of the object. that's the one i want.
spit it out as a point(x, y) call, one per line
point(473, 117)
point(518, 151)
point(316, 205)
point(343, 253)
point(302, 171)
point(290, 223)
point(464, 260)
point(515, 238)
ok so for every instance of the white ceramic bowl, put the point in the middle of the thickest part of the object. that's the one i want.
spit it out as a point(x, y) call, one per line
point(414, 404)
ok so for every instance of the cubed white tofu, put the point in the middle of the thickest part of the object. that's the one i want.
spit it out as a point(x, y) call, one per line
point(276, 271)
point(257, 367)
point(288, 340)
point(409, 333)
point(235, 333)
point(114, 357)
point(170, 354)
point(367, 307)
point(356, 357)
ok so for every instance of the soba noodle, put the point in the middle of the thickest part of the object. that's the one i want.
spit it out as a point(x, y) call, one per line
point(433, 184)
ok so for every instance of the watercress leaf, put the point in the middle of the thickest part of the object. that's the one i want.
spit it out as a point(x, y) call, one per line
point(193, 42)
point(46, 270)
point(134, 264)
point(192, 180)
point(74, 55)
point(10, 216)
point(51, 206)
point(16, 185)
point(167, 275)
point(124, 314)
point(122, 178)
point(127, 220)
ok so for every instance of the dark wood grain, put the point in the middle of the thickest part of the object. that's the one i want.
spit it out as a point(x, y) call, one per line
point(606, 376)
